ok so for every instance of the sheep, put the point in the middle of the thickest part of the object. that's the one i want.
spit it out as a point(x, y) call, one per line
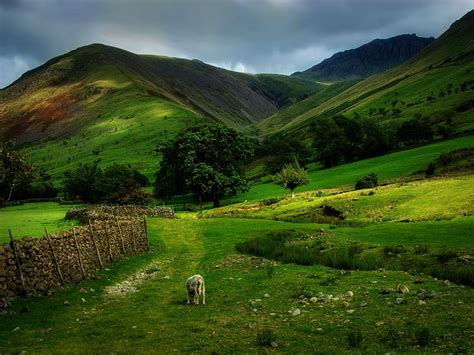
point(195, 287)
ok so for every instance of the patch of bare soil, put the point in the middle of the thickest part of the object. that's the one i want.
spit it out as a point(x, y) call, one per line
point(132, 284)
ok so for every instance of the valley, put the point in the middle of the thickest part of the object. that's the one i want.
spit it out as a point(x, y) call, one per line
point(374, 253)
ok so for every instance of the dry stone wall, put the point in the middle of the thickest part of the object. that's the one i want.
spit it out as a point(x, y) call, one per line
point(32, 266)
point(102, 212)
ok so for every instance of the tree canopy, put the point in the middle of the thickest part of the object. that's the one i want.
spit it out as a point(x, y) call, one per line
point(116, 184)
point(15, 171)
point(291, 176)
point(207, 161)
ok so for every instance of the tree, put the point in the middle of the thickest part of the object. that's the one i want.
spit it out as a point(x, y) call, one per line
point(285, 151)
point(330, 142)
point(207, 161)
point(367, 182)
point(415, 131)
point(15, 171)
point(291, 176)
point(86, 182)
point(116, 184)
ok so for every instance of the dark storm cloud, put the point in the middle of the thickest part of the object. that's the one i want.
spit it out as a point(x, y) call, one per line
point(246, 35)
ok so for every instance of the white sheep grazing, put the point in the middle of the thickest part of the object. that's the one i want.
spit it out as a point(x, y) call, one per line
point(195, 287)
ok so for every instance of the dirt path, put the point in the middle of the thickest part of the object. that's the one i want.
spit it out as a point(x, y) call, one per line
point(179, 258)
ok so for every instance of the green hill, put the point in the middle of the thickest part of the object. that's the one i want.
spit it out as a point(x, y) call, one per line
point(438, 83)
point(103, 103)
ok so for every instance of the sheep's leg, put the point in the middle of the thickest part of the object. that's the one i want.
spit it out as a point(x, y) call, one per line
point(196, 297)
point(203, 294)
point(187, 294)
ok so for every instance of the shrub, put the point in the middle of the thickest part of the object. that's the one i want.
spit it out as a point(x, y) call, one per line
point(367, 182)
point(265, 337)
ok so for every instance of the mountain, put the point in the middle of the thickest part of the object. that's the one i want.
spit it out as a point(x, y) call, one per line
point(55, 98)
point(373, 57)
point(438, 83)
point(101, 102)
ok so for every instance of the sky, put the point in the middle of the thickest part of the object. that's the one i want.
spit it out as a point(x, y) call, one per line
point(255, 36)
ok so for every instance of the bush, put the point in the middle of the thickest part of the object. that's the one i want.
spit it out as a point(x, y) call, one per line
point(266, 337)
point(367, 182)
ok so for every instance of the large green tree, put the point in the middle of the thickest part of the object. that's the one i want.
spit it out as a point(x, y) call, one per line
point(15, 171)
point(116, 184)
point(207, 161)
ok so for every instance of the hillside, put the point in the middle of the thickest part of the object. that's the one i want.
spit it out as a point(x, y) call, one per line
point(70, 90)
point(437, 83)
point(373, 57)
point(103, 103)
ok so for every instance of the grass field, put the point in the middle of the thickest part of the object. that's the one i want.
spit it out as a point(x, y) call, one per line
point(30, 219)
point(433, 199)
point(390, 166)
point(157, 319)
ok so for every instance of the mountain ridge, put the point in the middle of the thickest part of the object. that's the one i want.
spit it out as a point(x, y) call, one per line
point(373, 57)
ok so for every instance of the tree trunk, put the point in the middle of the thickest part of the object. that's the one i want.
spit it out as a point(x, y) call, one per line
point(10, 193)
point(216, 202)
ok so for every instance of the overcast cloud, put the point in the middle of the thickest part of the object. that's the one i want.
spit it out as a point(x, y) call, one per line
point(278, 36)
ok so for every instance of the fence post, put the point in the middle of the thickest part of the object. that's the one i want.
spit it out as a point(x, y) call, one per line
point(55, 260)
point(17, 261)
point(133, 237)
point(108, 242)
point(95, 245)
point(78, 253)
point(146, 234)
point(121, 235)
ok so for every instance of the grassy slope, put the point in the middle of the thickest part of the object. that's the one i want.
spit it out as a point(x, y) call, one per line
point(448, 60)
point(290, 90)
point(389, 166)
point(100, 102)
point(287, 114)
point(130, 127)
point(31, 219)
point(435, 199)
point(157, 319)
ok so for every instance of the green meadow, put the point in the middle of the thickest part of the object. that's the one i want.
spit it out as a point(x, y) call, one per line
point(32, 218)
point(387, 167)
point(244, 299)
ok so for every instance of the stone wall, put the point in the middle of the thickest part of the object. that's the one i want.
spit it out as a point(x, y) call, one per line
point(102, 212)
point(35, 266)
